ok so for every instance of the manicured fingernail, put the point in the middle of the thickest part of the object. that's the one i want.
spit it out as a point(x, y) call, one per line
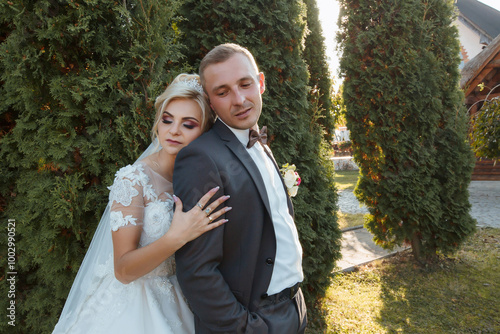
point(228, 208)
point(216, 188)
point(224, 220)
point(175, 198)
point(227, 197)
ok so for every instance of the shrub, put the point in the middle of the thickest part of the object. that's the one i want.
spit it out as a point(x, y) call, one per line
point(78, 83)
point(407, 121)
point(485, 132)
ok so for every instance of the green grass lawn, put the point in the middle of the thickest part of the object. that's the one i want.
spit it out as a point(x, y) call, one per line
point(458, 294)
point(350, 219)
point(346, 179)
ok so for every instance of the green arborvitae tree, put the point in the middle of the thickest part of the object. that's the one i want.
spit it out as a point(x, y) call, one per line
point(7, 115)
point(320, 81)
point(274, 32)
point(407, 122)
point(78, 82)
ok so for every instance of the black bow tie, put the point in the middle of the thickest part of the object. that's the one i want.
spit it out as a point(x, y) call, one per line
point(254, 136)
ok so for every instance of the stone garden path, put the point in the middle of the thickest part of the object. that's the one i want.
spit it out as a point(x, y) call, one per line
point(358, 247)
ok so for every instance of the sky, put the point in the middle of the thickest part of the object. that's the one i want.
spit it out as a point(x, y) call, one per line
point(328, 14)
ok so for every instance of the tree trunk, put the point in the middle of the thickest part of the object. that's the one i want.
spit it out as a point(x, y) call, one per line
point(416, 246)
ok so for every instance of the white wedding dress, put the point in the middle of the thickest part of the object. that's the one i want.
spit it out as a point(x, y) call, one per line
point(153, 303)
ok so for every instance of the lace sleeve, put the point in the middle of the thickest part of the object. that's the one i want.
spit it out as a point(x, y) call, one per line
point(127, 197)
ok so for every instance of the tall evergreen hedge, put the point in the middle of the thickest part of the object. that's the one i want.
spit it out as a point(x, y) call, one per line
point(274, 32)
point(78, 82)
point(320, 81)
point(407, 121)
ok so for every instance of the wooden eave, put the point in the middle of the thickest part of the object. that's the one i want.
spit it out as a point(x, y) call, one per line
point(484, 68)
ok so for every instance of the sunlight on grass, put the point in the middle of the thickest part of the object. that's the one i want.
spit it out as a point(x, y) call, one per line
point(350, 219)
point(458, 294)
point(346, 179)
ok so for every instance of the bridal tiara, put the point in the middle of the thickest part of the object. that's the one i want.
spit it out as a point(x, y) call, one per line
point(193, 83)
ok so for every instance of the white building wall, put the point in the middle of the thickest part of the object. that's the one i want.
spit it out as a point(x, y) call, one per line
point(469, 40)
point(341, 134)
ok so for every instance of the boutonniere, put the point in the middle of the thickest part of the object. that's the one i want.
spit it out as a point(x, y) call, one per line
point(291, 178)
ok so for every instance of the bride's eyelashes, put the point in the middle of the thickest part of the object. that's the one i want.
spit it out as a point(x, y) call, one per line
point(166, 118)
point(189, 124)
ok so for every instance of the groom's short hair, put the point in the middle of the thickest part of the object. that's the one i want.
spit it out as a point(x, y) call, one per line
point(220, 54)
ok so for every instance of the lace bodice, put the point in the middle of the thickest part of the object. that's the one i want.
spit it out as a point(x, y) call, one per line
point(140, 196)
point(98, 302)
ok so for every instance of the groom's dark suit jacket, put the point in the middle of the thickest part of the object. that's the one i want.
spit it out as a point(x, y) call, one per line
point(225, 272)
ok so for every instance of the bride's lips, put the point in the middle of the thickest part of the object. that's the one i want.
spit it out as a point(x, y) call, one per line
point(173, 142)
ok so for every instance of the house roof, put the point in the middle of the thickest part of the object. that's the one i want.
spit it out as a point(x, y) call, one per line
point(481, 16)
point(483, 68)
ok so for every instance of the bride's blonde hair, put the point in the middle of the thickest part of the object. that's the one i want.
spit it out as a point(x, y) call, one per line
point(184, 86)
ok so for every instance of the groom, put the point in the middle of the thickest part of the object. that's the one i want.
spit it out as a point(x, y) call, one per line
point(242, 277)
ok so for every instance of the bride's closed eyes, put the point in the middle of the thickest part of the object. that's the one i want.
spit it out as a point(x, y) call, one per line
point(189, 122)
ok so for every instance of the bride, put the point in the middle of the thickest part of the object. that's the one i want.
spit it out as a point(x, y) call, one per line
point(127, 282)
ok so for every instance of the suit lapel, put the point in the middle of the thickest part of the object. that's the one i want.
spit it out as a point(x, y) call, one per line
point(241, 153)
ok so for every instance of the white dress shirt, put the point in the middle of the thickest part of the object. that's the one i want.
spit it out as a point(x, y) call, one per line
point(287, 270)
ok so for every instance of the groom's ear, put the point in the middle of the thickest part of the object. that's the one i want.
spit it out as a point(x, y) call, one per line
point(262, 82)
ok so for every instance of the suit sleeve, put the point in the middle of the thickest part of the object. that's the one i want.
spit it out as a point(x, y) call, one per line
point(197, 262)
